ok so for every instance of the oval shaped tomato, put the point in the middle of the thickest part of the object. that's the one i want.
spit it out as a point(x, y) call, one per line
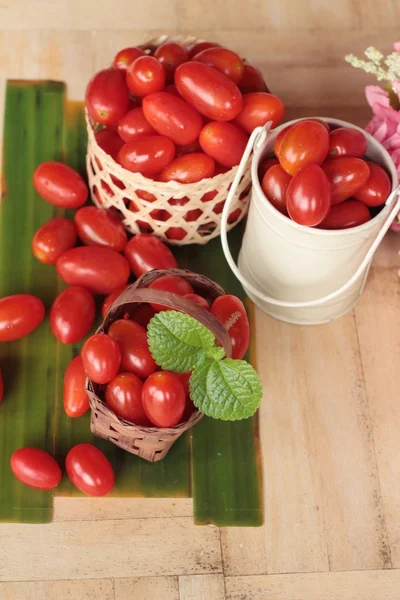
point(75, 398)
point(163, 399)
point(224, 142)
point(133, 125)
point(109, 141)
point(198, 300)
point(346, 176)
point(279, 139)
point(35, 468)
point(144, 314)
point(209, 91)
point(224, 60)
point(258, 109)
point(52, 239)
point(252, 81)
point(132, 341)
point(308, 196)
point(274, 185)
point(173, 284)
point(110, 299)
point(145, 76)
point(1, 387)
point(125, 57)
point(101, 357)
point(266, 164)
point(72, 315)
point(146, 252)
point(97, 227)
point(189, 168)
point(124, 397)
point(305, 143)
point(89, 470)
point(230, 311)
point(199, 46)
point(147, 154)
point(377, 188)
point(60, 185)
point(171, 55)
point(346, 215)
point(346, 141)
point(171, 116)
point(20, 314)
point(107, 96)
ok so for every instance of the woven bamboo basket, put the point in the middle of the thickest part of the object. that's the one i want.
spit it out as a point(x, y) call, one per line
point(152, 443)
point(178, 213)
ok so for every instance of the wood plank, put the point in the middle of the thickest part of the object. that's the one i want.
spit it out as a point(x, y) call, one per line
point(99, 589)
point(202, 587)
point(147, 588)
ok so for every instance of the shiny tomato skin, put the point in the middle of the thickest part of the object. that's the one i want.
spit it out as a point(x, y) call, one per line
point(72, 315)
point(274, 185)
point(279, 139)
point(346, 141)
point(173, 284)
point(101, 357)
point(305, 143)
point(185, 378)
point(209, 91)
point(308, 196)
point(124, 397)
point(200, 46)
point(109, 141)
point(188, 148)
point(230, 311)
point(89, 470)
point(1, 387)
point(252, 81)
point(52, 239)
point(20, 314)
point(99, 270)
point(75, 398)
point(171, 55)
point(145, 76)
point(132, 341)
point(35, 468)
point(163, 399)
point(171, 116)
point(345, 215)
point(133, 125)
point(110, 299)
point(97, 227)
point(60, 185)
point(224, 60)
point(346, 176)
point(258, 109)
point(224, 142)
point(147, 154)
point(146, 252)
point(189, 168)
point(198, 300)
point(125, 57)
point(377, 188)
point(107, 96)
point(266, 164)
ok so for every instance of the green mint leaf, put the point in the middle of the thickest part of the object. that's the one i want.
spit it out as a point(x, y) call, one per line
point(217, 353)
point(227, 389)
point(178, 342)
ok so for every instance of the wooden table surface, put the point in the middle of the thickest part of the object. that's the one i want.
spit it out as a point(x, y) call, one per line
point(330, 418)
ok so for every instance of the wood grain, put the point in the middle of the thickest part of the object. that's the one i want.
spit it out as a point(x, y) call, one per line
point(147, 588)
point(99, 589)
point(202, 587)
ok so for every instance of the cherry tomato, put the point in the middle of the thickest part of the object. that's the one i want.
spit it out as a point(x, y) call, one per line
point(145, 76)
point(252, 81)
point(171, 89)
point(258, 109)
point(101, 357)
point(147, 154)
point(224, 60)
point(230, 311)
point(188, 148)
point(99, 270)
point(72, 315)
point(308, 196)
point(20, 314)
point(279, 140)
point(345, 215)
point(1, 387)
point(97, 227)
point(144, 314)
point(171, 116)
point(346, 176)
point(132, 341)
point(185, 379)
point(163, 399)
point(211, 92)
point(76, 400)
point(265, 165)
point(274, 185)
point(133, 125)
point(89, 470)
point(60, 185)
point(107, 96)
point(146, 252)
point(224, 142)
point(171, 283)
point(124, 58)
point(110, 142)
point(124, 397)
point(200, 46)
point(35, 468)
point(171, 55)
point(377, 188)
point(198, 300)
point(52, 239)
point(189, 168)
point(305, 143)
point(110, 299)
point(346, 141)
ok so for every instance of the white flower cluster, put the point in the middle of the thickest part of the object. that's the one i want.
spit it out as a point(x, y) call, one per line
point(388, 71)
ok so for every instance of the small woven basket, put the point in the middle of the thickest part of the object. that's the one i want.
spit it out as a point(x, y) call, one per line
point(152, 443)
point(177, 213)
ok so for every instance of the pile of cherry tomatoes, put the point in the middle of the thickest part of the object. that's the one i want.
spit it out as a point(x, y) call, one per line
point(320, 177)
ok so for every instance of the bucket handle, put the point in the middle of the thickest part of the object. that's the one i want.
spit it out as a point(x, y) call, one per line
point(256, 140)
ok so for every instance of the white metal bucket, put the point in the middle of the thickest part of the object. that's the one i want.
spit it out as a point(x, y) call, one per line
point(301, 274)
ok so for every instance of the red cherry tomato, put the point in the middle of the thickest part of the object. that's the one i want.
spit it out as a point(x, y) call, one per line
point(99, 270)
point(377, 188)
point(110, 299)
point(224, 142)
point(171, 283)
point(224, 60)
point(101, 357)
point(146, 252)
point(345, 215)
point(20, 314)
point(230, 311)
point(185, 379)
point(265, 165)
point(279, 140)
point(346, 141)
point(163, 399)
point(211, 92)
point(110, 142)
point(132, 341)
point(308, 196)
point(35, 468)
point(274, 185)
point(144, 314)
point(252, 81)
point(107, 96)
point(305, 143)
point(1, 387)
point(171, 116)
point(171, 89)
point(346, 176)
point(187, 149)
point(60, 185)
point(147, 154)
point(258, 109)
point(89, 470)
point(133, 125)
point(72, 315)
point(200, 46)
point(76, 400)
point(124, 58)
point(145, 76)
point(198, 300)
point(189, 168)
point(97, 227)
point(171, 55)
point(124, 397)
point(52, 239)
